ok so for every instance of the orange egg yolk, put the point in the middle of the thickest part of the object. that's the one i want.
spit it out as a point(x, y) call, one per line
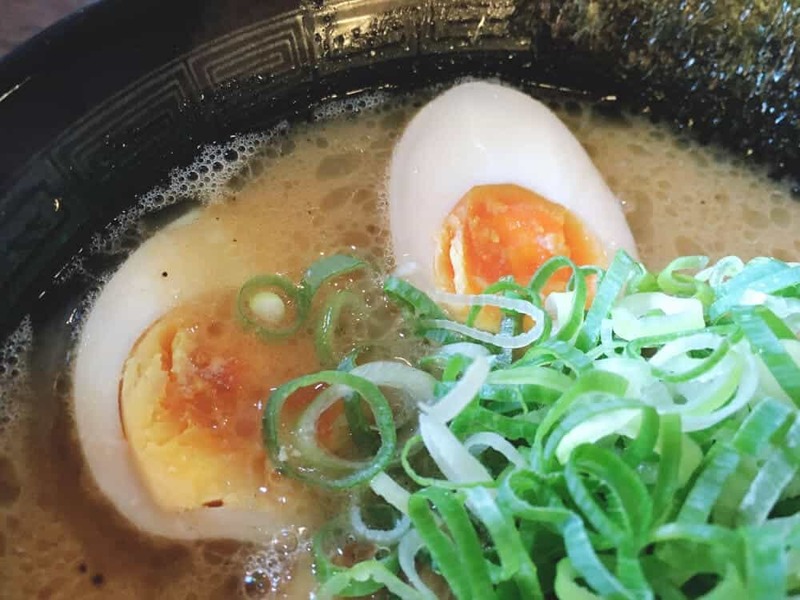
point(191, 402)
point(504, 229)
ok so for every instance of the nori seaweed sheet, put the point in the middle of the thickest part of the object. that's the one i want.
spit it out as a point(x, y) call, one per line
point(727, 70)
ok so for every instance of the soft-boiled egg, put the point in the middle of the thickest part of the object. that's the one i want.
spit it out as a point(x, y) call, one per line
point(486, 182)
point(168, 393)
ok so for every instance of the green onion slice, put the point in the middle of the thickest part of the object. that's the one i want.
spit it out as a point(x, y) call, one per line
point(646, 446)
point(267, 330)
point(326, 326)
point(346, 474)
point(328, 268)
point(325, 544)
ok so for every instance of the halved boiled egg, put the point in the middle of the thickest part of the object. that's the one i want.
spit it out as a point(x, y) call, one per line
point(169, 389)
point(487, 182)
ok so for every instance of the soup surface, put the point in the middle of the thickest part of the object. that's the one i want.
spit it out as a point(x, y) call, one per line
point(284, 200)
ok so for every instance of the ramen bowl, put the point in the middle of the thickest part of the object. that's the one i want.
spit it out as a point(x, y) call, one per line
point(107, 105)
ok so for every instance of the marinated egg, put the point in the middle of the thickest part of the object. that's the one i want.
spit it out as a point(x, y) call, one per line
point(485, 182)
point(169, 392)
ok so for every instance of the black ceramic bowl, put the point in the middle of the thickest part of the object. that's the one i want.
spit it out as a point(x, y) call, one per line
point(99, 108)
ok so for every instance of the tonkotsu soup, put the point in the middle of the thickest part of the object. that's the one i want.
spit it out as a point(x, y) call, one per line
point(111, 497)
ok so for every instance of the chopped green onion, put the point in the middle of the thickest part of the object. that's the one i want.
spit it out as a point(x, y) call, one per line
point(353, 473)
point(391, 491)
point(765, 331)
point(654, 313)
point(608, 290)
point(378, 536)
point(767, 276)
point(522, 307)
point(328, 323)
point(646, 446)
point(439, 545)
point(259, 308)
point(335, 533)
point(679, 284)
point(573, 302)
point(453, 459)
point(329, 267)
point(250, 304)
point(448, 407)
point(369, 574)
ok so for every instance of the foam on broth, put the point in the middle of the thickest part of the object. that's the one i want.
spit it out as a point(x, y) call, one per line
point(279, 200)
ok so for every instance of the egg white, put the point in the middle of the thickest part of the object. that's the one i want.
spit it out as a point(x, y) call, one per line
point(483, 133)
point(196, 258)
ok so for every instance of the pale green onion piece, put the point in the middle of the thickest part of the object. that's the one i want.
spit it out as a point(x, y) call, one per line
point(755, 432)
point(391, 491)
point(329, 267)
point(417, 384)
point(608, 290)
point(633, 518)
point(515, 562)
point(670, 446)
point(677, 283)
point(328, 323)
point(326, 543)
point(764, 331)
point(307, 467)
point(449, 406)
point(608, 345)
point(775, 474)
point(623, 421)
point(555, 351)
point(522, 307)
point(691, 456)
point(453, 459)
point(639, 377)
point(632, 318)
point(541, 377)
point(471, 567)
point(768, 276)
point(370, 570)
point(711, 390)
point(786, 309)
point(488, 439)
point(305, 439)
point(768, 385)
point(588, 383)
point(439, 543)
point(726, 390)
point(565, 585)
point(765, 564)
point(708, 486)
point(560, 306)
point(466, 349)
point(724, 269)
point(407, 551)
point(378, 536)
point(673, 363)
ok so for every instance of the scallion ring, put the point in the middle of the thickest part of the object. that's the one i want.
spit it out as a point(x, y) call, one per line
point(248, 299)
point(349, 475)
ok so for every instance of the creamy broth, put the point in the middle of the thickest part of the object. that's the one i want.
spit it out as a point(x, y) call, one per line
point(317, 190)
